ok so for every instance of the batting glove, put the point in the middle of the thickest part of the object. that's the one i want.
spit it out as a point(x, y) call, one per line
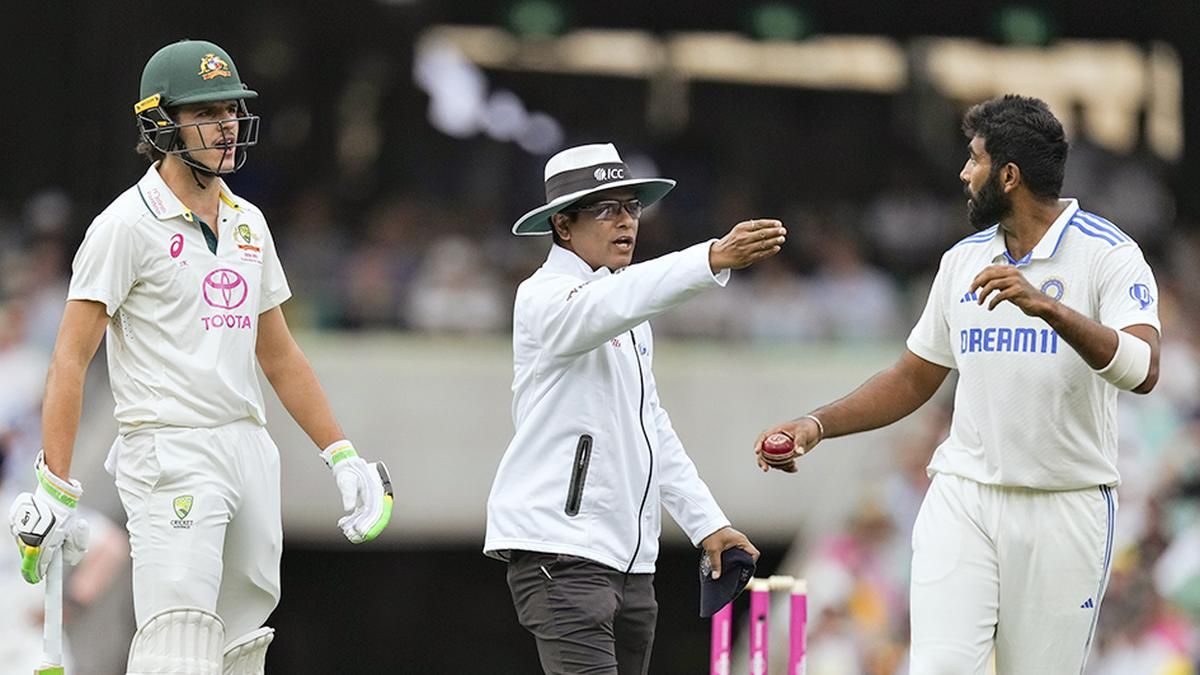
point(366, 492)
point(44, 520)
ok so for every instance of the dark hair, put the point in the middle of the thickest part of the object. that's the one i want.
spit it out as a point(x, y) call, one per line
point(151, 153)
point(1022, 130)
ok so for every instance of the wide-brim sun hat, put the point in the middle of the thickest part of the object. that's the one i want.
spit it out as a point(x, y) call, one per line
point(578, 172)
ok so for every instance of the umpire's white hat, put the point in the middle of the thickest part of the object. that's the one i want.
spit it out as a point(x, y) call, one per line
point(576, 173)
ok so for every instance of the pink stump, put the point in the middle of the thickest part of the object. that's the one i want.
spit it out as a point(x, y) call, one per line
point(760, 633)
point(722, 634)
point(797, 643)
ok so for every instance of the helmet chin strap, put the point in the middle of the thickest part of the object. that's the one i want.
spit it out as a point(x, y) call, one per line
point(196, 177)
point(195, 166)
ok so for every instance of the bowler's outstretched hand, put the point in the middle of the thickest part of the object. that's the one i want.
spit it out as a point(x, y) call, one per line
point(804, 434)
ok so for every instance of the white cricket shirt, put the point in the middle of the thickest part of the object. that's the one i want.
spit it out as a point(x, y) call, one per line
point(1028, 411)
point(183, 319)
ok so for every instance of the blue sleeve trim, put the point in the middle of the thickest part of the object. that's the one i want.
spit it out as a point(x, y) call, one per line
point(1103, 225)
point(1095, 234)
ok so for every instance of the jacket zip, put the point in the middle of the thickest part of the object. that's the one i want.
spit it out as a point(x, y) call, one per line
point(649, 449)
point(583, 456)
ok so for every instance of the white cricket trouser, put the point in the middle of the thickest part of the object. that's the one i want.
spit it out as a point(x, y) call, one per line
point(1018, 570)
point(204, 524)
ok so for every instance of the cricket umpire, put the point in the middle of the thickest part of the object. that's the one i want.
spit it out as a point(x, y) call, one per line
point(576, 503)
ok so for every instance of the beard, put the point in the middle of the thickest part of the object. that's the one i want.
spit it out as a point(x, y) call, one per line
point(988, 206)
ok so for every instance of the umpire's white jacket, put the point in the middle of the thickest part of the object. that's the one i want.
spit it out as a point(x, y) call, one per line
point(594, 454)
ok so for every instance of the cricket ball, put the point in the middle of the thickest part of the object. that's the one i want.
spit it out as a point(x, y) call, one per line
point(778, 444)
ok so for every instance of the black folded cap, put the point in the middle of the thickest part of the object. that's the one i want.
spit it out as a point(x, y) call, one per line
point(737, 569)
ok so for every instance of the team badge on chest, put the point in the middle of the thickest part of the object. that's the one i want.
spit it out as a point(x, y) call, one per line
point(248, 243)
point(1053, 288)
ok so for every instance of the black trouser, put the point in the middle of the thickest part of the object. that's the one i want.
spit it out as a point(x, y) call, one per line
point(588, 619)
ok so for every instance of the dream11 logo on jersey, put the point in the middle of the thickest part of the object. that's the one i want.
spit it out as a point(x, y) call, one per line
point(225, 289)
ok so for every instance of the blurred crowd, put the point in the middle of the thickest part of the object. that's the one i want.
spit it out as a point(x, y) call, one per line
point(853, 271)
point(34, 264)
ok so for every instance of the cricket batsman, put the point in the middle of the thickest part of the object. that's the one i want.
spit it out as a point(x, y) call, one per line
point(182, 276)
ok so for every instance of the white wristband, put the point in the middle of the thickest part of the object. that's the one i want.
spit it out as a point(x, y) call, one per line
point(1130, 364)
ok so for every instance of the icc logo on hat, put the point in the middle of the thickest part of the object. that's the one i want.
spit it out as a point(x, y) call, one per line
point(614, 173)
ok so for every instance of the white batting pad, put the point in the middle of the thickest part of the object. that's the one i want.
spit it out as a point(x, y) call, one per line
point(247, 655)
point(178, 641)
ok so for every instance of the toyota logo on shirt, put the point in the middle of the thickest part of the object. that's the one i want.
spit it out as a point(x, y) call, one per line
point(225, 289)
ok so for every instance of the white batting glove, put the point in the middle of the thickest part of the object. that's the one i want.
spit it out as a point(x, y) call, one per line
point(366, 492)
point(44, 520)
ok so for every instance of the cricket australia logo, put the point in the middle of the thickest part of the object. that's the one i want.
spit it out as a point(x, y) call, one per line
point(248, 244)
point(213, 66)
point(182, 506)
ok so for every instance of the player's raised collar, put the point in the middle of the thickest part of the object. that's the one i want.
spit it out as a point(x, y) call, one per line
point(1046, 246)
point(998, 246)
point(564, 261)
point(231, 200)
point(163, 203)
point(1049, 242)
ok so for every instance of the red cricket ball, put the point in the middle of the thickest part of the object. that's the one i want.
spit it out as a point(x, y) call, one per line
point(779, 443)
